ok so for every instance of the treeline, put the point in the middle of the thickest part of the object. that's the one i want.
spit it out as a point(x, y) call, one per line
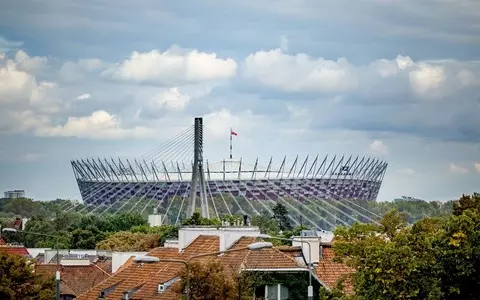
point(122, 232)
point(435, 258)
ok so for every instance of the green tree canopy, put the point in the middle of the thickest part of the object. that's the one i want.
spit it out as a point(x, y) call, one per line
point(280, 213)
point(208, 281)
point(129, 241)
point(435, 258)
point(18, 281)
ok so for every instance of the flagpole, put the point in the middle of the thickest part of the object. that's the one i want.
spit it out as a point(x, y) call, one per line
point(230, 143)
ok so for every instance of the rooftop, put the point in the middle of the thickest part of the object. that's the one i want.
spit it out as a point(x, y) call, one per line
point(141, 280)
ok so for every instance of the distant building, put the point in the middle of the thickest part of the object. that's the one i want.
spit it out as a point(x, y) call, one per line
point(14, 194)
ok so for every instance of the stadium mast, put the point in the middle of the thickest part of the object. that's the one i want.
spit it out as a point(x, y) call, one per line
point(198, 175)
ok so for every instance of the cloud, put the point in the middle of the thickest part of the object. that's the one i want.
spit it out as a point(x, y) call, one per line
point(75, 72)
point(426, 78)
point(172, 67)
point(477, 167)
point(84, 97)
point(378, 148)
point(219, 122)
point(457, 169)
point(19, 88)
point(7, 46)
point(298, 73)
point(99, 125)
point(171, 99)
point(29, 64)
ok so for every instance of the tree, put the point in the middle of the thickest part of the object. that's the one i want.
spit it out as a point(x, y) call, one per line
point(87, 238)
point(208, 281)
point(164, 232)
point(435, 258)
point(129, 241)
point(124, 221)
point(197, 219)
point(267, 225)
point(280, 213)
point(466, 202)
point(18, 281)
point(23, 207)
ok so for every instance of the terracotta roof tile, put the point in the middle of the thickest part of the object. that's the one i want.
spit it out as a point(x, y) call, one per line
point(203, 244)
point(270, 259)
point(146, 277)
point(75, 280)
point(331, 272)
point(15, 250)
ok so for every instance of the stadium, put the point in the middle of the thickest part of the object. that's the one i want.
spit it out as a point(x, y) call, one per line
point(319, 191)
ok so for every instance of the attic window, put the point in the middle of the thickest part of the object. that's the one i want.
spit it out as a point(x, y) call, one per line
point(108, 290)
point(162, 287)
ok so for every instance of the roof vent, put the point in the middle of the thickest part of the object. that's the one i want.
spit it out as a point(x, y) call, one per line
point(125, 296)
point(161, 288)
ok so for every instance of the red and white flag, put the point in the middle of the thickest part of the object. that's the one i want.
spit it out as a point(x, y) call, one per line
point(233, 133)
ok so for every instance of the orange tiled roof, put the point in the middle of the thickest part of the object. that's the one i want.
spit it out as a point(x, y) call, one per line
point(331, 272)
point(146, 277)
point(75, 280)
point(203, 244)
point(15, 250)
point(143, 279)
point(270, 259)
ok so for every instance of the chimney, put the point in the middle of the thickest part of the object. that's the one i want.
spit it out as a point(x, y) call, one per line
point(245, 220)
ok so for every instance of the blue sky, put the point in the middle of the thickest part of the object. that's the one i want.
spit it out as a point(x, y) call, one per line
point(399, 80)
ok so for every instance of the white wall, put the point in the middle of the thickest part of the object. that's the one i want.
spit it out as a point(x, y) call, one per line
point(155, 220)
point(171, 244)
point(120, 258)
point(314, 244)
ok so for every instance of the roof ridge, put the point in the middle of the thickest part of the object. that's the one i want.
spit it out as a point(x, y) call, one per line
point(200, 235)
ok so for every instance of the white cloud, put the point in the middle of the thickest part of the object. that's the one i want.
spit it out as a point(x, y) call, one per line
point(29, 64)
point(84, 97)
point(218, 123)
point(477, 167)
point(99, 125)
point(74, 72)
point(15, 85)
point(174, 66)
point(467, 78)
point(171, 99)
point(457, 169)
point(378, 148)
point(427, 77)
point(388, 68)
point(12, 121)
point(43, 99)
point(299, 73)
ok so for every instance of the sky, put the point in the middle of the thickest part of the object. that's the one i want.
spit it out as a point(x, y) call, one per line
point(396, 80)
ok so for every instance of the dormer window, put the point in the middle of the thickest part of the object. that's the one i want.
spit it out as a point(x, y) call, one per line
point(163, 286)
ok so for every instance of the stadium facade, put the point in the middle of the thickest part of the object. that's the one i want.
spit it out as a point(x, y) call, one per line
point(315, 188)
